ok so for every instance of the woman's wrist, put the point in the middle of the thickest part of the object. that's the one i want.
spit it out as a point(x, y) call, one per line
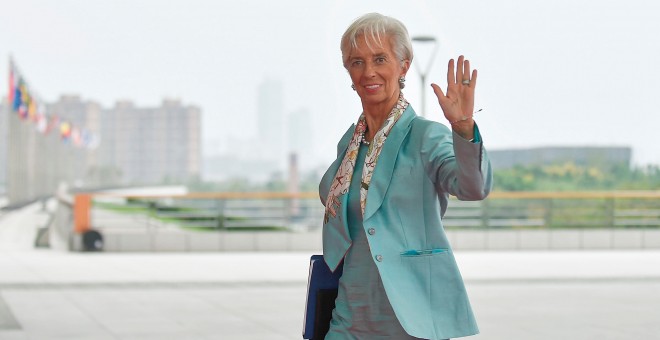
point(464, 127)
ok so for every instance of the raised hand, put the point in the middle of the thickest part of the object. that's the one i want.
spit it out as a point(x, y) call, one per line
point(458, 104)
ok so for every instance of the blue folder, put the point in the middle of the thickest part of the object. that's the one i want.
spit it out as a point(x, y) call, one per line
point(321, 290)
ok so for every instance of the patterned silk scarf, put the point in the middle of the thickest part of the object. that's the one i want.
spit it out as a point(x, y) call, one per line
point(342, 181)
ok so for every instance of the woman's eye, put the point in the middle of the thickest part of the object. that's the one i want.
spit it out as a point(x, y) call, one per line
point(356, 63)
point(380, 60)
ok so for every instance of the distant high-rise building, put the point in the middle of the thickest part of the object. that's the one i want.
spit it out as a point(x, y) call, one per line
point(137, 146)
point(81, 113)
point(301, 137)
point(270, 122)
point(151, 145)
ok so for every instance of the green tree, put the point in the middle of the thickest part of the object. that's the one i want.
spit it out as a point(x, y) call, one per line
point(571, 177)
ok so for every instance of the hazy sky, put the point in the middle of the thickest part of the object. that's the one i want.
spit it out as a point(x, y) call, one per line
point(560, 72)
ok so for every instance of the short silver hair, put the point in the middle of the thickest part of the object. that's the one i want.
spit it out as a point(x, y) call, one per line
point(376, 25)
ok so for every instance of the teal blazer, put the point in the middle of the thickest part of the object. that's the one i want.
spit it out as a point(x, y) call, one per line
point(422, 162)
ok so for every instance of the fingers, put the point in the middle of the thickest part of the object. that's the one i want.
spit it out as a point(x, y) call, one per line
point(438, 92)
point(473, 81)
point(450, 73)
point(459, 69)
point(442, 99)
point(466, 71)
point(462, 73)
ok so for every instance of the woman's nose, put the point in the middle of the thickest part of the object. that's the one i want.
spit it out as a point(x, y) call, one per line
point(369, 69)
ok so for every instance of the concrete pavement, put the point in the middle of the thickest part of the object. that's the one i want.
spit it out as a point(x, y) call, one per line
point(46, 294)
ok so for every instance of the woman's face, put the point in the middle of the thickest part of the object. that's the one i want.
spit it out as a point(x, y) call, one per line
point(375, 71)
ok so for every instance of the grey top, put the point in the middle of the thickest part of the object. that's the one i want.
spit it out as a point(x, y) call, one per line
point(362, 310)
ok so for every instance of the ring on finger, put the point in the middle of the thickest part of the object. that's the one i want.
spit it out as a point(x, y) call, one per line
point(466, 82)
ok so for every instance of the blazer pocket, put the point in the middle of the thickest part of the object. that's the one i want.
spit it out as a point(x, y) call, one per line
point(424, 252)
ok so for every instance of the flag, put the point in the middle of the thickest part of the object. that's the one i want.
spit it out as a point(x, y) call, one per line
point(94, 142)
point(29, 106)
point(24, 101)
point(85, 137)
point(18, 95)
point(32, 109)
point(75, 136)
point(42, 123)
point(65, 130)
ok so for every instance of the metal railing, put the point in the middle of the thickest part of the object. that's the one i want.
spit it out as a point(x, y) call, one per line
point(284, 211)
point(221, 211)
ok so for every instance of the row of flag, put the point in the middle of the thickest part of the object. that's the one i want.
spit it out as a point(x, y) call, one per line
point(28, 107)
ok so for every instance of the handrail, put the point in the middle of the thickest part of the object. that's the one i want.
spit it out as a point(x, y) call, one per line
point(628, 194)
point(217, 195)
point(645, 194)
point(519, 210)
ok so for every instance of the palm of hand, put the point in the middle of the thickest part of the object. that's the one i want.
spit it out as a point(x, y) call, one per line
point(458, 104)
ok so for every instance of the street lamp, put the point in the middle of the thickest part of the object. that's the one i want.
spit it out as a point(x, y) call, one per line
point(425, 39)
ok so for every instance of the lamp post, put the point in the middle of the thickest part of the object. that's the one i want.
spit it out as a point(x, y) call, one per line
point(425, 39)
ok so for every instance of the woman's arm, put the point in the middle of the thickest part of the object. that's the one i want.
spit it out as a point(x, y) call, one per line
point(458, 165)
point(455, 165)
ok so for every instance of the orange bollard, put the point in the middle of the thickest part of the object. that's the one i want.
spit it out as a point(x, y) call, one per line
point(81, 207)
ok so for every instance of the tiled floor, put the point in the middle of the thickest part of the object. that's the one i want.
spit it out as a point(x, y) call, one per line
point(537, 295)
point(537, 310)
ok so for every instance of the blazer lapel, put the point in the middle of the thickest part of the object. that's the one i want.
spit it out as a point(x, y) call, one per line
point(382, 175)
point(329, 176)
point(336, 237)
point(343, 143)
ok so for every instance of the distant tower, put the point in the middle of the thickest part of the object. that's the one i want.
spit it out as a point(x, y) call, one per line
point(270, 115)
point(294, 184)
point(301, 136)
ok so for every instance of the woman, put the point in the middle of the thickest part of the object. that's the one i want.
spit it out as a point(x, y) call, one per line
point(387, 190)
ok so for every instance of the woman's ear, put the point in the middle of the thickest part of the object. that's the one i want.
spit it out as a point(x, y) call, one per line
point(405, 65)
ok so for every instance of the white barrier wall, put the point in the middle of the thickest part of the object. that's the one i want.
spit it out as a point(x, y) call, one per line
point(573, 239)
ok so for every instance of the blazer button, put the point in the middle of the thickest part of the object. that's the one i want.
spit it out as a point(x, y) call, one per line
point(371, 231)
point(379, 258)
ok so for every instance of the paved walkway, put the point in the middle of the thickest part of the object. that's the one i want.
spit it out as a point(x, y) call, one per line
point(45, 294)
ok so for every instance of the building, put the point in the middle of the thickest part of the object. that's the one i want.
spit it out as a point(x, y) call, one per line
point(270, 123)
point(137, 146)
point(301, 137)
point(583, 156)
point(38, 159)
point(84, 114)
point(150, 145)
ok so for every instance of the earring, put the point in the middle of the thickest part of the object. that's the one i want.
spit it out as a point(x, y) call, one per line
point(402, 82)
point(353, 87)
